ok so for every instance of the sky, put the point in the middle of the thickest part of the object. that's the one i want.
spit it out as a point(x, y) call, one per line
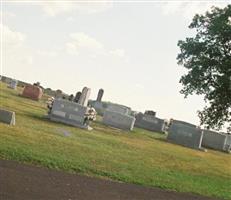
point(128, 48)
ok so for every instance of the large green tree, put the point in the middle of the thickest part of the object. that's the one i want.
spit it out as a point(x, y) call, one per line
point(207, 57)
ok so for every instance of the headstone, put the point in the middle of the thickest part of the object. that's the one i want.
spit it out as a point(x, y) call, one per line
point(98, 107)
point(119, 109)
point(58, 94)
point(118, 120)
point(217, 141)
point(100, 95)
point(7, 117)
point(77, 97)
point(49, 92)
point(83, 100)
point(6, 80)
point(150, 112)
point(71, 97)
point(182, 122)
point(68, 112)
point(13, 84)
point(185, 135)
point(150, 122)
point(33, 92)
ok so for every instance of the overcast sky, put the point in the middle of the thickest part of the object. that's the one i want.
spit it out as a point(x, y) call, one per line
point(128, 48)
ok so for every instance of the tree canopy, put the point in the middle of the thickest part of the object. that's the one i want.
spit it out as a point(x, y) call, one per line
point(207, 58)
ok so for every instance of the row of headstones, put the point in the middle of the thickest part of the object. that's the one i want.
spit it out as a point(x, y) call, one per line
point(179, 132)
point(35, 92)
point(118, 116)
point(190, 135)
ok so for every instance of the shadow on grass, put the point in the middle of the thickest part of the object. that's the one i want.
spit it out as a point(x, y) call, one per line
point(43, 118)
point(162, 140)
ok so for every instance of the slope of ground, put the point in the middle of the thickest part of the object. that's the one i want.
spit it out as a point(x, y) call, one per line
point(140, 157)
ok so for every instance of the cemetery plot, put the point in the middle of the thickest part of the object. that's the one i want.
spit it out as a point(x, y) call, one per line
point(185, 135)
point(118, 120)
point(33, 92)
point(217, 141)
point(150, 122)
point(7, 117)
point(69, 113)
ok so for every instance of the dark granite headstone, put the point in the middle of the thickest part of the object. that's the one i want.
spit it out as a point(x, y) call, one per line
point(77, 96)
point(217, 141)
point(100, 95)
point(7, 117)
point(118, 120)
point(150, 123)
point(185, 135)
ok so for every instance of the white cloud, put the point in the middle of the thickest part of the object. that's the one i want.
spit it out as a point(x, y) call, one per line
point(53, 7)
point(47, 53)
point(118, 52)
point(14, 47)
point(83, 42)
point(189, 9)
point(11, 38)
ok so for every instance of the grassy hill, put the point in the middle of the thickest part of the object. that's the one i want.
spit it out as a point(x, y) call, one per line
point(140, 156)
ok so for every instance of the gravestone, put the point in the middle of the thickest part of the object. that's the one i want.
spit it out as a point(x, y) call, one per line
point(217, 141)
point(185, 135)
point(182, 122)
point(83, 100)
point(228, 143)
point(98, 106)
point(33, 92)
point(71, 97)
point(100, 95)
point(150, 122)
point(118, 120)
point(150, 112)
point(68, 112)
point(77, 97)
point(119, 108)
point(58, 94)
point(13, 84)
point(7, 117)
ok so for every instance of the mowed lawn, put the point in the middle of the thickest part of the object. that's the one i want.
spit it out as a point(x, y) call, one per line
point(140, 156)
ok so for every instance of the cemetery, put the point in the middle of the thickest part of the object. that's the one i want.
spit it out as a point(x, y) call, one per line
point(62, 134)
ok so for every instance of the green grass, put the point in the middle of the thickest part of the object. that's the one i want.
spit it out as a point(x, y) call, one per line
point(140, 156)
